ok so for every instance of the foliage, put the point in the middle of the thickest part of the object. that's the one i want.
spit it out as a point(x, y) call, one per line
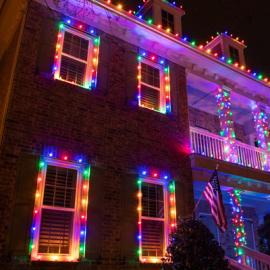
point(264, 235)
point(193, 247)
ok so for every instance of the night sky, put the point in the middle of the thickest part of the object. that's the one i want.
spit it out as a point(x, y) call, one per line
point(250, 20)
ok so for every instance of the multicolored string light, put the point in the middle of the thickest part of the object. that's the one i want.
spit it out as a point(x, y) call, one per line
point(226, 125)
point(238, 224)
point(262, 132)
point(170, 217)
point(90, 79)
point(192, 43)
point(165, 95)
point(52, 157)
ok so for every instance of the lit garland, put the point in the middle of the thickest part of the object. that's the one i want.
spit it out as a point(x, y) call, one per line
point(262, 131)
point(165, 80)
point(226, 124)
point(256, 75)
point(170, 219)
point(51, 157)
point(238, 224)
point(91, 76)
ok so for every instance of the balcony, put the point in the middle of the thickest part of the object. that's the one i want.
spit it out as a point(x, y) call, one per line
point(211, 145)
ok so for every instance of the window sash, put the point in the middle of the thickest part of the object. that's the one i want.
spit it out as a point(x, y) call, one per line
point(164, 220)
point(76, 223)
point(160, 89)
point(87, 76)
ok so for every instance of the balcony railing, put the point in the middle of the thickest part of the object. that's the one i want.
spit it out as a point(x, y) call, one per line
point(256, 260)
point(211, 145)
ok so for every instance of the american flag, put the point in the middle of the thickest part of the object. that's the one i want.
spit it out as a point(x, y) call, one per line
point(213, 195)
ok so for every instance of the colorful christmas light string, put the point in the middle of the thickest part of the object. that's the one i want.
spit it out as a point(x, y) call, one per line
point(192, 43)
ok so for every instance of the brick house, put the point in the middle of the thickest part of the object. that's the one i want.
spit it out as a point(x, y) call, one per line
point(111, 125)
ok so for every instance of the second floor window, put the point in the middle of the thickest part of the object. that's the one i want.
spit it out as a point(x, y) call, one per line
point(76, 57)
point(167, 20)
point(154, 86)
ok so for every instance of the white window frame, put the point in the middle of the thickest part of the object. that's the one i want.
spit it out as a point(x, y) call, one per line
point(161, 88)
point(88, 62)
point(75, 239)
point(150, 259)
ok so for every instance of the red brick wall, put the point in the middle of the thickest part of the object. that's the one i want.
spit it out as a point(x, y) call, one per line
point(105, 124)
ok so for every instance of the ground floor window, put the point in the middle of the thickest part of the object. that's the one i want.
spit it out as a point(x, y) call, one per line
point(60, 211)
point(157, 216)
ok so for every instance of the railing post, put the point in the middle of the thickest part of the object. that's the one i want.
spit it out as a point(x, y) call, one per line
point(226, 124)
point(262, 134)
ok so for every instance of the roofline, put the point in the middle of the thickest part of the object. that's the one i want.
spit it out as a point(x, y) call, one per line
point(162, 33)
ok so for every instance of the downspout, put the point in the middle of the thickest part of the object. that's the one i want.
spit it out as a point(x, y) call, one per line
point(8, 84)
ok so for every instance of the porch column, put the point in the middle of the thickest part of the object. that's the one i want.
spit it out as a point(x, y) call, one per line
point(226, 124)
point(262, 133)
point(237, 224)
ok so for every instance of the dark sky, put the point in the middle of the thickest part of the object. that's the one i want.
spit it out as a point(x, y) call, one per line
point(250, 20)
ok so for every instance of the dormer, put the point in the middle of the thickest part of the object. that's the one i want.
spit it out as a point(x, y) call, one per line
point(164, 14)
point(225, 45)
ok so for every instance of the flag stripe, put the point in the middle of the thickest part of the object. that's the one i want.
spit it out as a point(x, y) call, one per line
point(213, 196)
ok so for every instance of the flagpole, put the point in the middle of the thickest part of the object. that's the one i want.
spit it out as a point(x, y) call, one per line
point(200, 199)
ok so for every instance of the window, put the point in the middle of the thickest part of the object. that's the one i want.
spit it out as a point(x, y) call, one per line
point(76, 57)
point(234, 54)
point(157, 218)
point(167, 20)
point(217, 50)
point(154, 86)
point(250, 233)
point(59, 223)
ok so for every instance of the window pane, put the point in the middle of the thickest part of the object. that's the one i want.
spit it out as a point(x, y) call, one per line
point(152, 238)
point(152, 200)
point(150, 97)
point(75, 46)
point(250, 237)
point(150, 75)
point(72, 70)
point(55, 231)
point(234, 53)
point(60, 187)
point(167, 20)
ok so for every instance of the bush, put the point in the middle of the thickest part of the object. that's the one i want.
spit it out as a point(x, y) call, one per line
point(193, 247)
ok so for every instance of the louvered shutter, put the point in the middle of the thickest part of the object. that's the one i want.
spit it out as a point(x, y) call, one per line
point(152, 238)
point(72, 70)
point(150, 97)
point(55, 231)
